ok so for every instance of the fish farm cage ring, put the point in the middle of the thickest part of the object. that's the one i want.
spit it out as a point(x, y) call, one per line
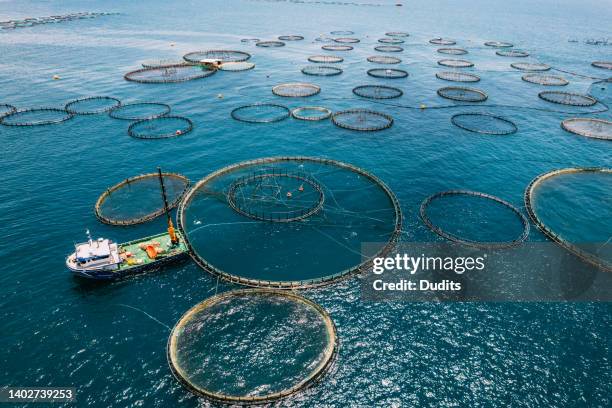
point(397, 34)
point(256, 331)
point(270, 44)
point(169, 74)
point(290, 37)
point(390, 73)
point(140, 111)
point(452, 51)
point(499, 44)
point(321, 70)
point(158, 63)
point(250, 40)
point(377, 92)
point(547, 80)
point(384, 59)
point(589, 127)
point(164, 127)
point(457, 93)
point(573, 248)
point(602, 64)
point(261, 113)
point(358, 207)
point(311, 113)
point(484, 123)
point(512, 53)
point(530, 66)
point(325, 59)
point(567, 98)
point(236, 66)
point(457, 76)
point(342, 32)
point(219, 55)
point(296, 90)
point(388, 48)
point(324, 39)
point(391, 40)
point(138, 199)
point(36, 117)
point(92, 105)
point(362, 120)
point(442, 41)
point(6, 109)
point(346, 40)
point(472, 243)
point(455, 63)
point(336, 47)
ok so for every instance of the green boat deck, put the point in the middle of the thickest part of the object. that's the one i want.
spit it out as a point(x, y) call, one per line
point(140, 258)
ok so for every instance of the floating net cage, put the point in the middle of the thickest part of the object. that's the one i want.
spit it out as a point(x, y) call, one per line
point(324, 39)
point(499, 44)
point(346, 40)
point(566, 205)
point(35, 117)
point(567, 98)
point(512, 53)
point(384, 59)
point(290, 37)
point(390, 40)
point(452, 51)
point(548, 80)
point(252, 346)
point(388, 48)
point(321, 70)
point(6, 109)
point(138, 199)
point(296, 90)
point(342, 32)
point(602, 64)
point(589, 127)
point(397, 34)
point(157, 63)
point(311, 113)
point(362, 120)
point(140, 111)
point(164, 127)
point(250, 40)
point(261, 113)
point(237, 66)
point(467, 218)
point(325, 59)
point(454, 76)
point(390, 73)
point(484, 123)
point(530, 66)
point(457, 93)
point(169, 74)
point(92, 105)
point(270, 44)
point(219, 55)
point(336, 47)
point(377, 92)
point(442, 41)
point(455, 63)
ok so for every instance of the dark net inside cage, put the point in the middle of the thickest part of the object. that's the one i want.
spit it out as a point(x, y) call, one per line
point(261, 113)
point(567, 98)
point(219, 55)
point(384, 59)
point(388, 48)
point(321, 70)
point(390, 73)
point(169, 74)
point(530, 66)
point(457, 76)
point(589, 127)
point(442, 41)
point(92, 105)
point(336, 47)
point(602, 64)
point(390, 40)
point(457, 93)
point(236, 66)
point(397, 34)
point(35, 117)
point(362, 120)
point(498, 44)
point(512, 53)
point(139, 199)
point(548, 80)
point(377, 92)
point(290, 37)
point(312, 113)
point(452, 51)
point(140, 111)
point(6, 109)
point(325, 59)
point(164, 127)
point(455, 63)
point(484, 123)
point(296, 90)
point(346, 40)
point(270, 44)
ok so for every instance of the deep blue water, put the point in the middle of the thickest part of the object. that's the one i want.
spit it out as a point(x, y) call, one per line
point(57, 331)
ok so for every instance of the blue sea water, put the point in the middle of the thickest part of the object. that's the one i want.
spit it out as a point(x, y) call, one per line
point(57, 331)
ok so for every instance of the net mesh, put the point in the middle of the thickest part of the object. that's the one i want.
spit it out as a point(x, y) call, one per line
point(457, 93)
point(362, 120)
point(140, 111)
point(169, 74)
point(325, 59)
point(530, 66)
point(388, 48)
point(270, 44)
point(35, 117)
point(512, 53)
point(384, 59)
point(567, 98)
point(452, 51)
point(602, 64)
point(296, 90)
point(442, 41)
point(455, 63)
point(260, 113)
point(92, 105)
point(498, 44)
point(377, 92)
point(290, 37)
point(336, 47)
point(312, 113)
point(157, 63)
point(321, 70)
point(484, 123)
point(457, 76)
point(589, 127)
point(390, 40)
point(390, 73)
point(219, 55)
point(236, 66)
point(164, 127)
point(548, 80)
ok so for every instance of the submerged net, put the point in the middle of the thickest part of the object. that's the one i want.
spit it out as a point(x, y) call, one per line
point(290, 37)
point(589, 127)
point(35, 117)
point(548, 80)
point(455, 63)
point(499, 44)
point(384, 59)
point(602, 64)
point(452, 51)
point(312, 113)
point(139, 199)
point(169, 74)
point(484, 123)
point(312, 251)
point(251, 346)
point(362, 120)
point(270, 44)
point(390, 73)
point(512, 53)
point(6, 109)
point(457, 76)
point(377, 92)
point(530, 66)
point(346, 40)
point(325, 59)
point(390, 41)
point(92, 105)
point(457, 93)
point(397, 34)
point(164, 127)
point(219, 55)
point(261, 113)
point(442, 41)
point(567, 98)
point(139, 111)
point(296, 90)
point(236, 66)
point(321, 70)
point(388, 48)
point(336, 47)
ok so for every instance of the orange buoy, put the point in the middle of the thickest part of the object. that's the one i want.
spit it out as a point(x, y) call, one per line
point(301, 188)
point(178, 133)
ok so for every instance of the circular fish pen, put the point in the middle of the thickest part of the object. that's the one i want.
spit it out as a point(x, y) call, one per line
point(169, 74)
point(325, 59)
point(452, 51)
point(336, 47)
point(499, 44)
point(467, 209)
point(296, 90)
point(346, 40)
point(484, 123)
point(377, 92)
point(442, 41)
point(457, 93)
point(321, 70)
point(314, 251)
point(270, 44)
point(362, 120)
point(311, 113)
point(6, 109)
point(140, 111)
point(391, 41)
point(92, 105)
point(397, 34)
point(164, 127)
point(342, 32)
point(35, 117)
point(384, 59)
point(236, 66)
point(530, 66)
point(512, 53)
point(455, 63)
point(250, 40)
point(457, 76)
point(575, 218)
point(589, 127)
point(567, 98)
point(602, 64)
point(261, 113)
point(388, 73)
point(138, 199)
point(388, 48)
point(219, 55)
point(252, 346)
point(546, 80)
point(290, 37)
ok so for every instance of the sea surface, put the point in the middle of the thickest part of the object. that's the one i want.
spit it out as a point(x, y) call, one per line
point(109, 340)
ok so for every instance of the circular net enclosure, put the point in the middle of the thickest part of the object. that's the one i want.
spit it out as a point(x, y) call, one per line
point(236, 66)
point(342, 32)
point(312, 251)
point(457, 93)
point(567, 98)
point(484, 123)
point(468, 218)
point(384, 59)
point(92, 105)
point(602, 64)
point(6, 109)
point(530, 66)
point(296, 90)
point(548, 80)
point(452, 51)
point(362, 120)
point(321, 70)
point(455, 63)
point(251, 346)
point(270, 44)
point(325, 59)
point(219, 55)
point(311, 113)
point(442, 41)
point(35, 117)
point(169, 74)
point(457, 76)
point(261, 113)
point(139, 199)
point(389, 73)
point(157, 63)
point(388, 48)
point(390, 40)
point(498, 44)
point(512, 53)
point(377, 92)
point(140, 111)
point(250, 40)
point(336, 47)
point(397, 34)
point(290, 37)
point(589, 127)
point(164, 127)
point(346, 40)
